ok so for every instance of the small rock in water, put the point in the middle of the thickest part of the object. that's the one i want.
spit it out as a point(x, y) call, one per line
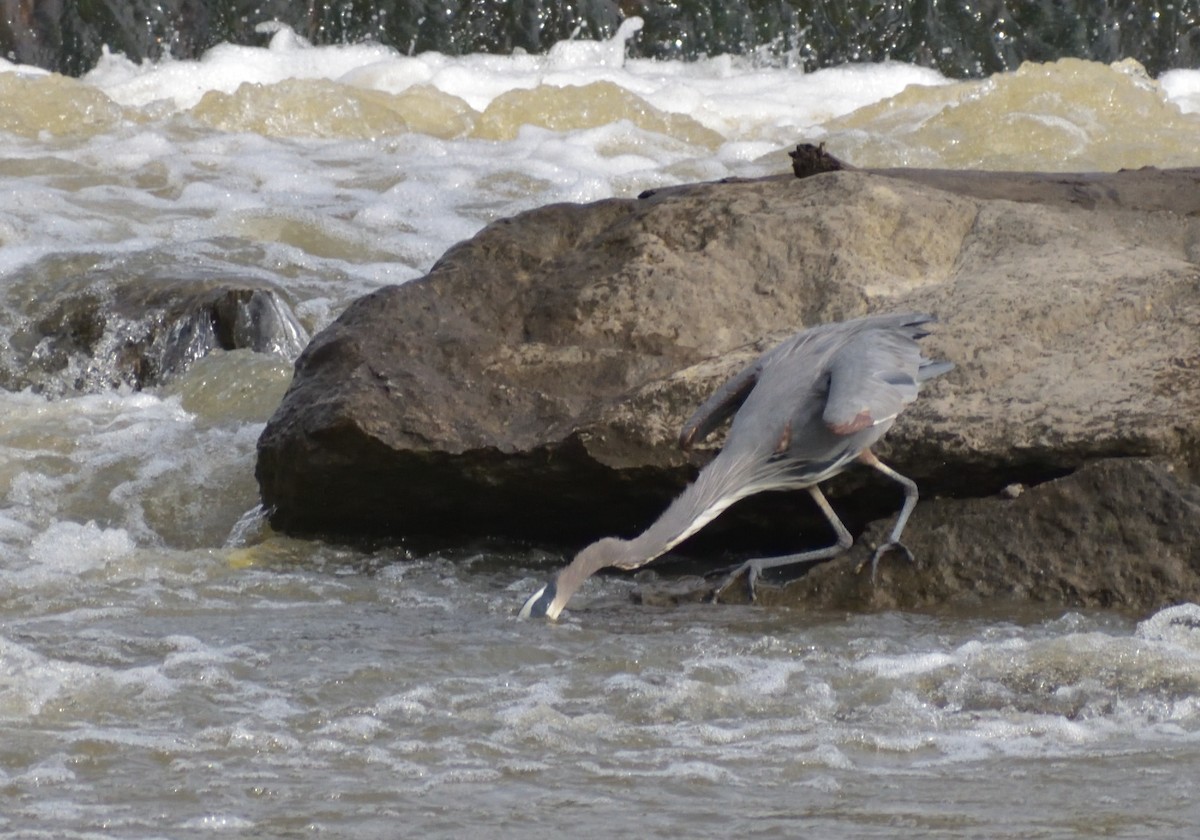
point(139, 324)
point(670, 593)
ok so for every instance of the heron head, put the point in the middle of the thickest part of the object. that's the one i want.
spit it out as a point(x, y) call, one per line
point(541, 604)
point(549, 601)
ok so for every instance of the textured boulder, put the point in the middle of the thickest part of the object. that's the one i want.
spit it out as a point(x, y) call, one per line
point(534, 382)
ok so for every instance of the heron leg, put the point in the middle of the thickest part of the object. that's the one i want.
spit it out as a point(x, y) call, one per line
point(910, 501)
point(752, 569)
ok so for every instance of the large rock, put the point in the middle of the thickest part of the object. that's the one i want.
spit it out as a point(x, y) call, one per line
point(533, 383)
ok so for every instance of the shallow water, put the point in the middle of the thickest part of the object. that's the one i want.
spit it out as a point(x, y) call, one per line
point(355, 695)
point(168, 665)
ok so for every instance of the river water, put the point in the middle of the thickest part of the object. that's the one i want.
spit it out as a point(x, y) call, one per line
point(170, 667)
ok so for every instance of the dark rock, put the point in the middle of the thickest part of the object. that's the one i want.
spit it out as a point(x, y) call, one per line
point(808, 160)
point(103, 327)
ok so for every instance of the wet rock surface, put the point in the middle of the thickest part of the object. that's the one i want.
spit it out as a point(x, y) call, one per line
point(533, 384)
point(137, 326)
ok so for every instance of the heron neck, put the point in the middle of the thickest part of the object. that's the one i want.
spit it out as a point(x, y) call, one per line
point(717, 486)
point(572, 576)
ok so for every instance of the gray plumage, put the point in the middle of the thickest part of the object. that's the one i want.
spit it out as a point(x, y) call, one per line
point(802, 412)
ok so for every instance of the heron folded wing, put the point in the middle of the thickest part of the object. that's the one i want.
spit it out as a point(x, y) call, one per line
point(930, 368)
point(871, 379)
point(724, 402)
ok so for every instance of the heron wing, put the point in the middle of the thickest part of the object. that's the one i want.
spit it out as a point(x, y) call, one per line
point(724, 402)
point(872, 377)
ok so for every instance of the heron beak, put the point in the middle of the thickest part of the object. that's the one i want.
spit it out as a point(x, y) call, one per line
point(538, 605)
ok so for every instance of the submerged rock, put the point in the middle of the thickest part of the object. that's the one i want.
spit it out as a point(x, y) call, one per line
point(98, 329)
point(534, 382)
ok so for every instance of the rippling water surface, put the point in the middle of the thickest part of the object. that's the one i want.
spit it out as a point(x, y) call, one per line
point(358, 695)
point(168, 666)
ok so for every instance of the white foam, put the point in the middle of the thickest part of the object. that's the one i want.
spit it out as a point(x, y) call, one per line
point(1183, 88)
point(32, 681)
point(47, 773)
point(416, 702)
point(7, 66)
point(731, 95)
point(571, 54)
point(120, 459)
point(227, 66)
point(354, 728)
point(71, 548)
point(218, 822)
point(906, 665)
point(1178, 625)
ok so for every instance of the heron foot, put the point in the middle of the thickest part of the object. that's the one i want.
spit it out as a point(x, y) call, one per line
point(891, 545)
point(751, 571)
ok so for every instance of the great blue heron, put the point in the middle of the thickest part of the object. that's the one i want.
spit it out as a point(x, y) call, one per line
point(804, 411)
